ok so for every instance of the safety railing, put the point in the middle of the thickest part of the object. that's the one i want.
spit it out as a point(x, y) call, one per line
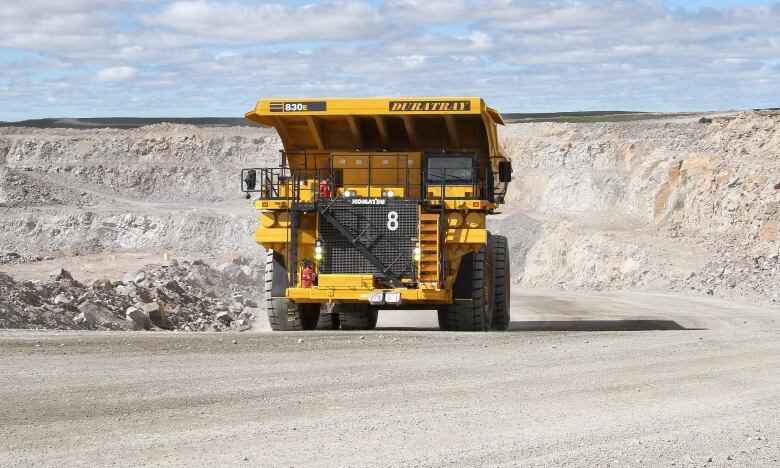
point(310, 185)
point(277, 183)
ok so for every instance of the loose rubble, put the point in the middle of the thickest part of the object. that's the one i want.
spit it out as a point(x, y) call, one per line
point(14, 258)
point(184, 295)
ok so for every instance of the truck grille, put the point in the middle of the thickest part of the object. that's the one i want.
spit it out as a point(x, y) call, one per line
point(373, 226)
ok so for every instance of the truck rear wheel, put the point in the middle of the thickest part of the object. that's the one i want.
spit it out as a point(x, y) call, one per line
point(284, 314)
point(356, 316)
point(474, 312)
point(501, 283)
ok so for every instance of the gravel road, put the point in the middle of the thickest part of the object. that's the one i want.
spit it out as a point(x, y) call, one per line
point(579, 391)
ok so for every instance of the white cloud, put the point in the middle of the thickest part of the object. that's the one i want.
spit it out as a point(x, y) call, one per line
point(523, 55)
point(428, 11)
point(238, 23)
point(117, 74)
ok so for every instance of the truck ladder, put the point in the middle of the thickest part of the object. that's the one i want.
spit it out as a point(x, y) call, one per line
point(429, 249)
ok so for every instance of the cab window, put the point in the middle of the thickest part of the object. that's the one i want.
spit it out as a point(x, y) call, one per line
point(451, 169)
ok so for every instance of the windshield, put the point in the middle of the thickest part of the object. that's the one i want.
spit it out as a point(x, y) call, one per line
point(451, 169)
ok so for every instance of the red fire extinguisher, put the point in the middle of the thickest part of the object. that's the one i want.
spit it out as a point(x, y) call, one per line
point(324, 188)
point(307, 276)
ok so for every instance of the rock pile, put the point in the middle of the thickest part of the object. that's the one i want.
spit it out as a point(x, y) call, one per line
point(13, 258)
point(188, 296)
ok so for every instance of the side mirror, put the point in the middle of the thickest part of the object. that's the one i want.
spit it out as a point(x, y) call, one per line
point(251, 179)
point(505, 171)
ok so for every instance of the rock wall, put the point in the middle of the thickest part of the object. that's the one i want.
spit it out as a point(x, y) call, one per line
point(685, 206)
point(162, 187)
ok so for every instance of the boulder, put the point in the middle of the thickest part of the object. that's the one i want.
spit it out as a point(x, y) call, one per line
point(103, 315)
point(231, 270)
point(238, 297)
point(224, 317)
point(160, 295)
point(85, 318)
point(173, 286)
point(139, 318)
point(129, 277)
point(156, 315)
point(102, 283)
point(61, 299)
point(139, 277)
point(250, 303)
point(244, 275)
point(241, 325)
point(60, 274)
point(251, 313)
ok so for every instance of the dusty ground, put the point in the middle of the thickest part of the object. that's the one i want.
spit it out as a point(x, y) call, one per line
point(656, 392)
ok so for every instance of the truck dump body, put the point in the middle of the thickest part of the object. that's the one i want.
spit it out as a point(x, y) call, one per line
point(376, 201)
point(415, 124)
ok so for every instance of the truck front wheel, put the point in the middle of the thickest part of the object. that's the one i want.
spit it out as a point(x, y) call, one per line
point(284, 314)
point(485, 278)
point(501, 282)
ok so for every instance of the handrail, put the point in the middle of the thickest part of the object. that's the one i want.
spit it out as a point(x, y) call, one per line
point(277, 183)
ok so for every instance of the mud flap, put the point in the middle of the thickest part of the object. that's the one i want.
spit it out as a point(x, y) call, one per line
point(280, 280)
point(463, 282)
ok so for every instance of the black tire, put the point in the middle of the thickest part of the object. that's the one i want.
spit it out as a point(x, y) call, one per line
point(284, 314)
point(474, 313)
point(356, 316)
point(328, 321)
point(501, 284)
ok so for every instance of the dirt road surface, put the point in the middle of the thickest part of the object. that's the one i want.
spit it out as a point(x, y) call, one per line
point(613, 379)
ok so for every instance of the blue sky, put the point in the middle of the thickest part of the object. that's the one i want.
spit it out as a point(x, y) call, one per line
point(84, 58)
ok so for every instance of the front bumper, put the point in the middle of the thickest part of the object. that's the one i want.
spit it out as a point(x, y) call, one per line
point(317, 294)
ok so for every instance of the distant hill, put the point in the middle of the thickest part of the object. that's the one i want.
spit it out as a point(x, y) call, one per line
point(509, 117)
point(128, 122)
point(135, 122)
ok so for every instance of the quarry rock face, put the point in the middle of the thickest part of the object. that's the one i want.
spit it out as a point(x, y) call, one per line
point(171, 187)
point(680, 206)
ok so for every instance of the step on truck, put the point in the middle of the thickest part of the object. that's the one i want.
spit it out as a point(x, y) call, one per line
point(381, 204)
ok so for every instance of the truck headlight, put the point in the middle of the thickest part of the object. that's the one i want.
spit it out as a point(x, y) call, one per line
point(349, 193)
point(388, 194)
point(392, 297)
point(376, 297)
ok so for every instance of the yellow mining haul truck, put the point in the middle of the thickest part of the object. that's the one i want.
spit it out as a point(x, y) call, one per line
point(378, 204)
